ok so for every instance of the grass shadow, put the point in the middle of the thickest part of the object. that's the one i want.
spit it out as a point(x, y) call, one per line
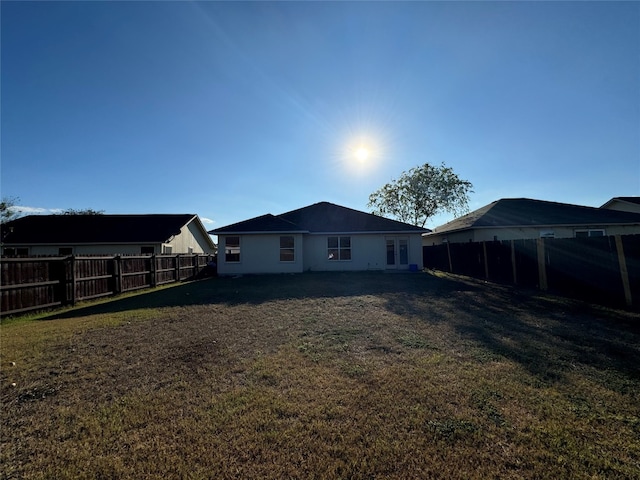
point(258, 289)
point(547, 335)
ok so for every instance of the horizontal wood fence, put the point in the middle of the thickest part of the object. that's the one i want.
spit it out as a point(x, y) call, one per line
point(44, 282)
point(601, 269)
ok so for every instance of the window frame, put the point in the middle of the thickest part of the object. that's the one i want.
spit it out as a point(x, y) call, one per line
point(227, 249)
point(339, 251)
point(15, 251)
point(288, 249)
point(589, 232)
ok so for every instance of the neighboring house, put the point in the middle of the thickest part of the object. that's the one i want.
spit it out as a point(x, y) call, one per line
point(320, 237)
point(522, 218)
point(624, 204)
point(105, 235)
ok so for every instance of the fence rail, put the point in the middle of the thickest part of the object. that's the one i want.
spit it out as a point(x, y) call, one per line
point(44, 282)
point(602, 269)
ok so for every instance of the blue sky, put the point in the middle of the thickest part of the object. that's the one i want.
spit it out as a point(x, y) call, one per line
point(234, 110)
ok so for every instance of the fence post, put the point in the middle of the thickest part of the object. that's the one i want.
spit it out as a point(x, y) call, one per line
point(542, 266)
point(623, 271)
point(117, 270)
point(73, 279)
point(153, 268)
point(486, 260)
point(513, 263)
point(449, 256)
point(177, 267)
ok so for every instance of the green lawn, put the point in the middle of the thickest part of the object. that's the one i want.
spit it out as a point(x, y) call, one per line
point(359, 375)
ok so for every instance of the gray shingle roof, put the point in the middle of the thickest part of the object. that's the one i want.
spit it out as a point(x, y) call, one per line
point(323, 217)
point(522, 212)
point(629, 199)
point(261, 224)
point(87, 229)
point(635, 200)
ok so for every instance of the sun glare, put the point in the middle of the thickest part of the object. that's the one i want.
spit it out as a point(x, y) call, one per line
point(362, 153)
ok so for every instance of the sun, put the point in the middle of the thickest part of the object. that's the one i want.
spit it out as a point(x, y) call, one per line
point(362, 153)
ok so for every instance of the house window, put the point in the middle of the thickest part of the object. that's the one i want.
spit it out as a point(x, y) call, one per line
point(596, 232)
point(403, 251)
point(287, 249)
point(147, 250)
point(167, 249)
point(339, 248)
point(232, 249)
point(65, 251)
point(16, 252)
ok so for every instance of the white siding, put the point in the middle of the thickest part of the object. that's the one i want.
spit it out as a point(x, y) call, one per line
point(190, 237)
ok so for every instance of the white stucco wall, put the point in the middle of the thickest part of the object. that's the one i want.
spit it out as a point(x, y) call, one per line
point(261, 254)
point(368, 252)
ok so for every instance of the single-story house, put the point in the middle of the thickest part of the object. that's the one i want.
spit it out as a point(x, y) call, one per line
point(319, 237)
point(624, 204)
point(105, 235)
point(523, 218)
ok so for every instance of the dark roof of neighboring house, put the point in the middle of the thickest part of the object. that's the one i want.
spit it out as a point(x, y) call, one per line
point(88, 229)
point(525, 212)
point(635, 200)
point(323, 217)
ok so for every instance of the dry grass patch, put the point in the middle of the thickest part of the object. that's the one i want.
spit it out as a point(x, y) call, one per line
point(324, 376)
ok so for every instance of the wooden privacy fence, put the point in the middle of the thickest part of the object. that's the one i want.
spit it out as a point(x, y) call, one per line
point(601, 269)
point(44, 282)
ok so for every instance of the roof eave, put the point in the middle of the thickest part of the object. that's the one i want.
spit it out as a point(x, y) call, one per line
point(337, 232)
point(256, 232)
point(203, 230)
point(537, 225)
point(86, 243)
point(371, 232)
